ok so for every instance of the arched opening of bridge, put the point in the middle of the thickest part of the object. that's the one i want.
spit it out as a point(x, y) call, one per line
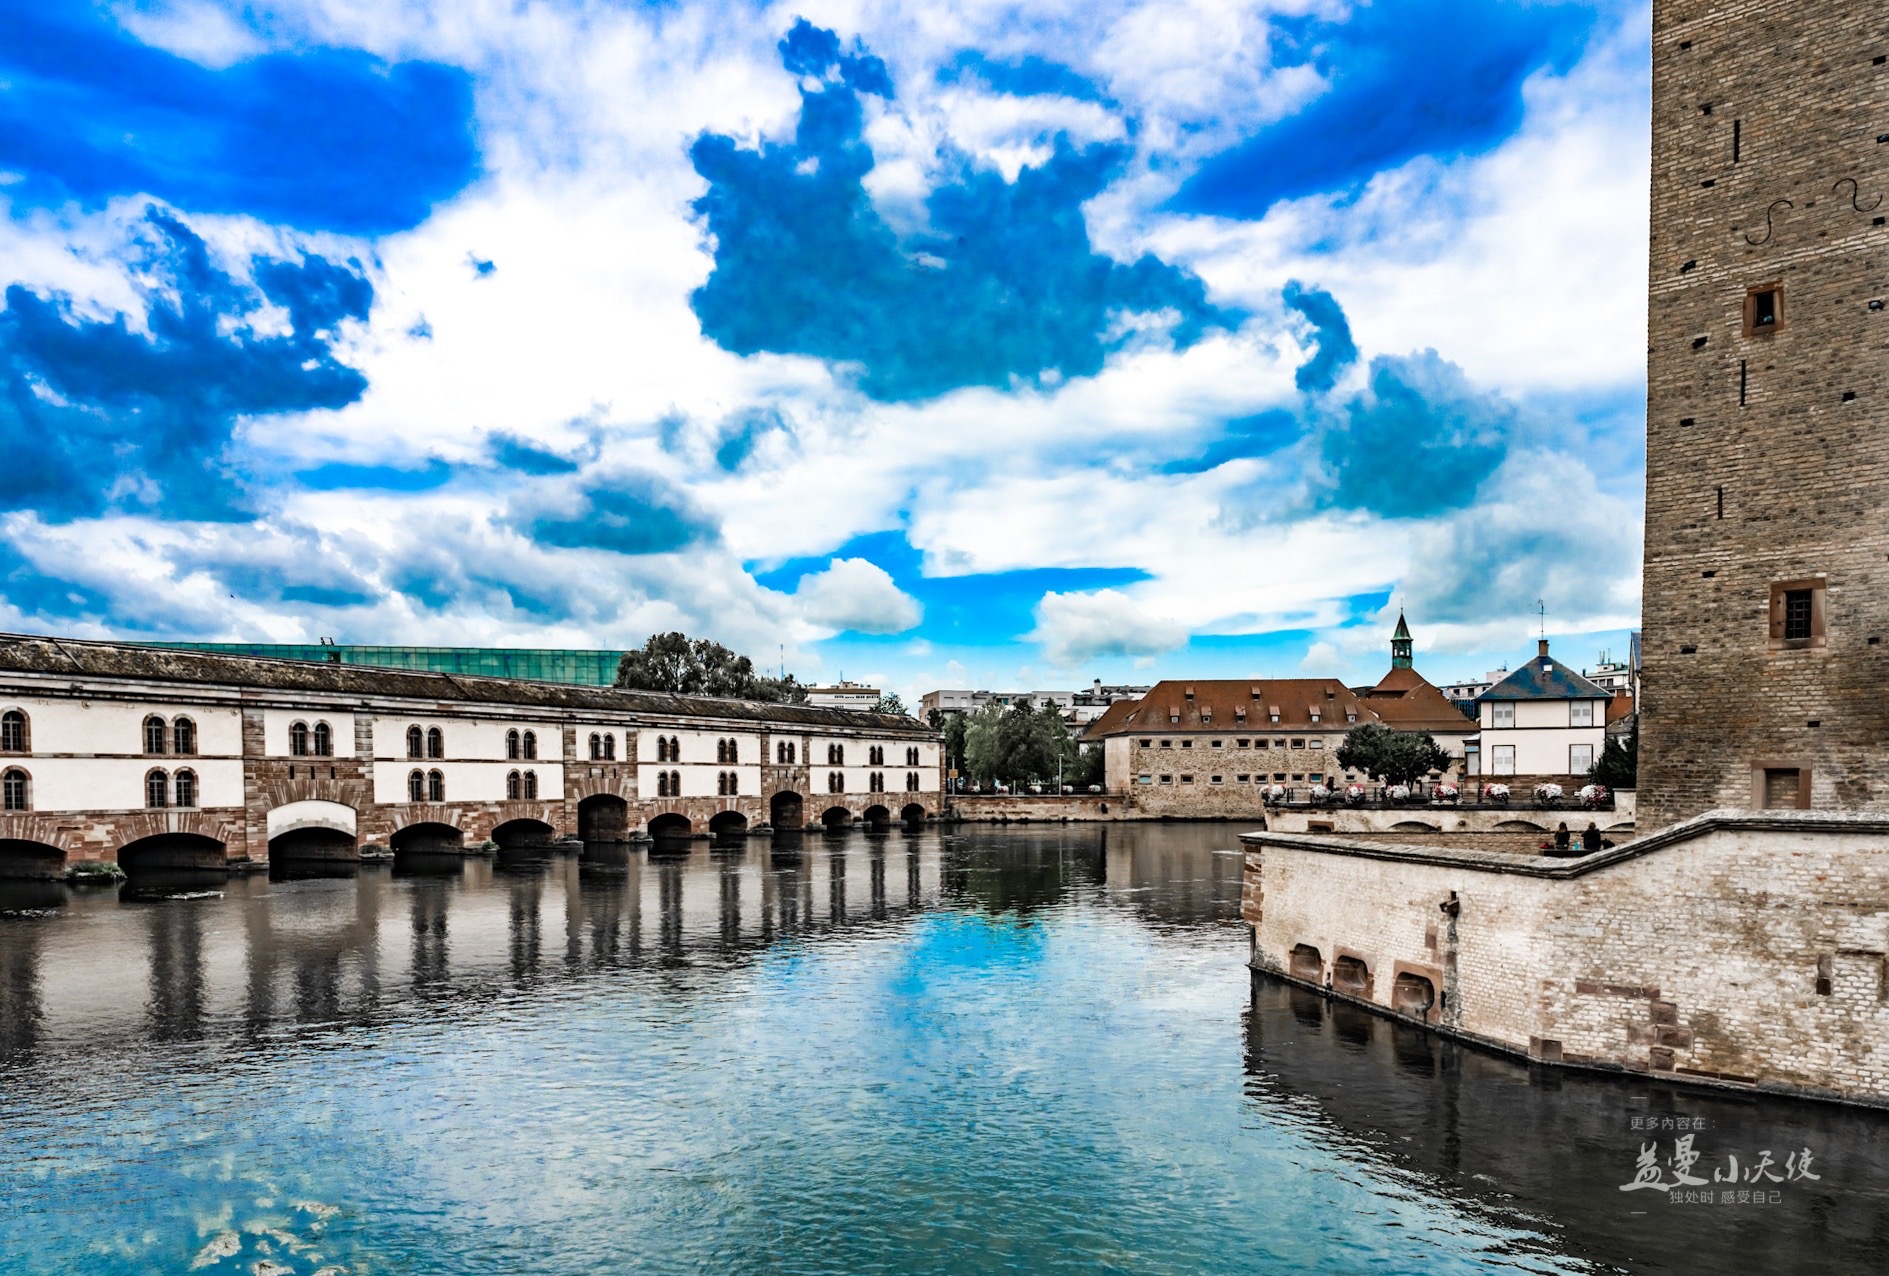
point(913, 815)
point(878, 818)
point(31, 861)
point(313, 843)
point(428, 839)
point(603, 817)
point(669, 834)
point(524, 835)
point(728, 824)
point(787, 810)
point(837, 819)
point(172, 850)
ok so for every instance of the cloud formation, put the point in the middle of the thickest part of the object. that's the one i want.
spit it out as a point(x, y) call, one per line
point(1418, 77)
point(1001, 287)
point(323, 139)
point(622, 512)
point(1076, 628)
point(137, 412)
point(858, 595)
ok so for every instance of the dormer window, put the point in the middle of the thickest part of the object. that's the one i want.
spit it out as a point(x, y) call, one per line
point(1190, 693)
point(1272, 712)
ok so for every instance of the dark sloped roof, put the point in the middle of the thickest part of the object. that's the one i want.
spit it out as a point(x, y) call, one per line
point(1116, 714)
point(22, 653)
point(1405, 699)
point(1232, 705)
point(1545, 678)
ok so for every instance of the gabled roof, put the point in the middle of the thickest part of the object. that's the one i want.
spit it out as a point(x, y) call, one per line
point(1405, 699)
point(1545, 678)
point(1106, 724)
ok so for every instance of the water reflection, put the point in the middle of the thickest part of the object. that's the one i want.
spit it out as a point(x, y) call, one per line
point(1505, 1138)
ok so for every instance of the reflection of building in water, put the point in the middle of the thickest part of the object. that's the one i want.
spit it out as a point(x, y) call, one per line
point(1491, 1133)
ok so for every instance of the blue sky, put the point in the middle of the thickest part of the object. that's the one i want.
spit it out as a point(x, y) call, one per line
point(983, 344)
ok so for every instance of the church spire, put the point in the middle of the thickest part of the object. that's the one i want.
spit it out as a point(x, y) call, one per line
point(1401, 644)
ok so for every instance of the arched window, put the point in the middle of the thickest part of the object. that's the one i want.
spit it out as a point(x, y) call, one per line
point(12, 732)
point(596, 747)
point(16, 790)
point(721, 750)
point(792, 750)
point(662, 784)
point(609, 746)
point(512, 745)
point(154, 736)
point(183, 736)
point(531, 744)
point(416, 743)
point(911, 781)
point(531, 786)
point(435, 743)
point(435, 787)
point(298, 739)
point(911, 756)
point(835, 783)
point(186, 788)
point(324, 740)
point(734, 752)
point(734, 783)
point(675, 784)
point(721, 783)
point(514, 785)
point(416, 785)
point(156, 789)
point(836, 754)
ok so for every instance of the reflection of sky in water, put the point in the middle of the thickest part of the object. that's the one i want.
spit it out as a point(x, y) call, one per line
point(1042, 1067)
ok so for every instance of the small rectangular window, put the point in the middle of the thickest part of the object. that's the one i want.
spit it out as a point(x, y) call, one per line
point(1580, 758)
point(1764, 309)
point(1147, 744)
point(1167, 779)
point(1796, 615)
point(1314, 743)
point(1502, 760)
point(1784, 788)
point(1580, 713)
point(1241, 779)
point(1145, 779)
point(1502, 715)
point(1187, 744)
point(1218, 743)
point(1299, 743)
point(1187, 779)
point(1244, 743)
point(1278, 744)
point(1167, 744)
point(1219, 779)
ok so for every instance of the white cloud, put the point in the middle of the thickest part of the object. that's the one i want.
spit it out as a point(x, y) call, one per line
point(1322, 660)
point(857, 595)
point(1074, 628)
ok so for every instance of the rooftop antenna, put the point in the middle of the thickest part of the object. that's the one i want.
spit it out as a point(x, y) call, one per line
point(1542, 607)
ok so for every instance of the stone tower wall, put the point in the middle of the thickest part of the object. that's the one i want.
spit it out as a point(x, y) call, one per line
point(1767, 450)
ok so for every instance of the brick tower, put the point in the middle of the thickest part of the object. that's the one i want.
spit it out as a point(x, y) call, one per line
point(1766, 679)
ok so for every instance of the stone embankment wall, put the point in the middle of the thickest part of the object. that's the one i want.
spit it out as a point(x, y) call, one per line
point(1463, 818)
point(1738, 948)
point(1087, 807)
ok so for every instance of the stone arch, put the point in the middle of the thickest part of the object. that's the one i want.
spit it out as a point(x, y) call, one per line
point(172, 850)
point(523, 831)
point(728, 822)
point(912, 813)
point(787, 809)
point(428, 836)
point(877, 816)
point(1307, 963)
point(1414, 826)
point(313, 842)
point(1519, 826)
point(836, 819)
point(312, 813)
point(32, 861)
point(670, 824)
point(1412, 994)
point(603, 817)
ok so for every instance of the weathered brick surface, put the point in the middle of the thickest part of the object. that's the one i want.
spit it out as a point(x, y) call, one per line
point(1802, 463)
point(1699, 957)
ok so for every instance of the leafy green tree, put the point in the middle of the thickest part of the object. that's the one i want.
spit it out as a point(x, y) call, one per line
point(1618, 766)
point(984, 755)
point(889, 702)
point(1089, 769)
point(955, 727)
point(1392, 757)
point(677, 663)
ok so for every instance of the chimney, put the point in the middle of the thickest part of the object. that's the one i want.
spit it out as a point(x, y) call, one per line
point(1541, 646)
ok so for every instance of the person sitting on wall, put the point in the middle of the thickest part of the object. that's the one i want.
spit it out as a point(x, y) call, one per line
point(1591, 840)
point(1561, 838)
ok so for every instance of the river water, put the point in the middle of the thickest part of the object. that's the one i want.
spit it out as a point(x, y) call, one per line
point(1027, 1050)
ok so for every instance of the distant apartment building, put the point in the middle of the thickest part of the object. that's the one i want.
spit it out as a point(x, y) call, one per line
point(1544, 719)
point(1079, 708)
point(843, 695)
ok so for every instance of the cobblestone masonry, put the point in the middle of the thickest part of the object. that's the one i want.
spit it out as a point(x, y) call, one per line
point(1737, 948)
point(1767, 449)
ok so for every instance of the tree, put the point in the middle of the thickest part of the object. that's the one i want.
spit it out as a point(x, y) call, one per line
point(955, 727)
point(1393, 757)
point(677, 663)
point(1619, 764)
point(889, 702)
